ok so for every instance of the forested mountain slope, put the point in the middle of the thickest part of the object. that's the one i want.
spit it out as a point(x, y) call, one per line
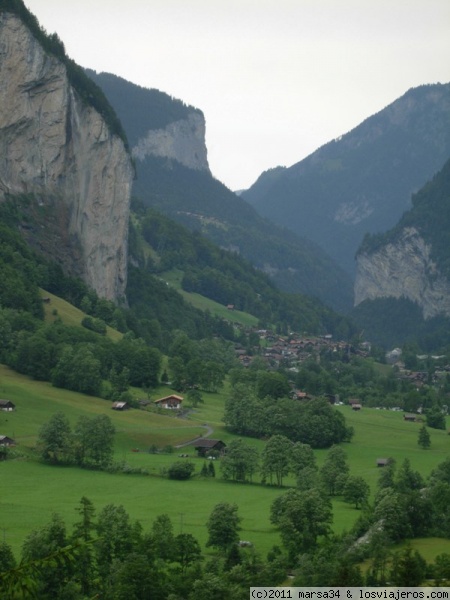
point(222, 276)
point(173, 176)
point(361, 182)
point(409, 267)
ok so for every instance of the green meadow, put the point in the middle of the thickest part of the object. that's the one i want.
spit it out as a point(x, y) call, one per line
point(32, 491)
point(173, 278)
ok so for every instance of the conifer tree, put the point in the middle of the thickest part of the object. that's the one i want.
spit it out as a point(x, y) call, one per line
point(424, 440)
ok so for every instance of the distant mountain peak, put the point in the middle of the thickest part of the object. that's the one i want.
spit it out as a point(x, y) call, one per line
point(362, 181)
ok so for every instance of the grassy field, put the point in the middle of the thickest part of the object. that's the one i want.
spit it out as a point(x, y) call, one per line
point(57, 308)
point(173, 278)
point(32, 491)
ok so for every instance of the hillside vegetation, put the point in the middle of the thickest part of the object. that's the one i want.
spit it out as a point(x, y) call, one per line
point(222, 276)
point(153, 449)
point(200, 202)
point(362, 181)
point(430, 215)
point(390, 321)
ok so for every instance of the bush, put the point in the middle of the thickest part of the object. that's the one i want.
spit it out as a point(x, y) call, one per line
point(181, 470)
point(94, 324)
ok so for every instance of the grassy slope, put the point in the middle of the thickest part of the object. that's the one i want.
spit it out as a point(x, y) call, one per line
point(174, 278)
point(69, 314)
point(33, 491)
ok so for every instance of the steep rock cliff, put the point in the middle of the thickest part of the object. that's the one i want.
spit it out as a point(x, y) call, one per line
point(58, 149)
point(157, 125)
point(403, 268)
point(182, 140)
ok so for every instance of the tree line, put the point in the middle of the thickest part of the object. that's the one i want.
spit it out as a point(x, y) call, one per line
point(110, 556)
point(258, 405)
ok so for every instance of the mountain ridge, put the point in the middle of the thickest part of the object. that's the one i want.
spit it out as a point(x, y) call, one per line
point(196, 199)
point(362, 181)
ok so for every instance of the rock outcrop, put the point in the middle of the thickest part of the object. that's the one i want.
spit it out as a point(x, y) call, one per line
point(403, 269)
point(58, 149)
point(183, 141)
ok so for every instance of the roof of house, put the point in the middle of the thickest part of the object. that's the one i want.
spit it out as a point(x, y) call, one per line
point(6, 402)
point(206, 443)
point(171, 397)
point(119, 405)
point(5, 438)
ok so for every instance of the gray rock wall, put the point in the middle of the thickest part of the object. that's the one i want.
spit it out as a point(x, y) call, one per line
point(55, 146)
point(183, 141)
point(403, 269)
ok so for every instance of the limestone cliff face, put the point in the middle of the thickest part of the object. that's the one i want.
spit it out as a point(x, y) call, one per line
point(182, 140)
point(403, 268)
point(58, 149)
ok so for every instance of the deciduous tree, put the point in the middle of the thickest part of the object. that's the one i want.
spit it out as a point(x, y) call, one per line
point(55, 439)
point(223, 526)
point(276, 458)
point(334, 471)
point(240, 461)
point(356, 490)
point(301, 517)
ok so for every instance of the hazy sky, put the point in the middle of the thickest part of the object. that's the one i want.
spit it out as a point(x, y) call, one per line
point(275, 79)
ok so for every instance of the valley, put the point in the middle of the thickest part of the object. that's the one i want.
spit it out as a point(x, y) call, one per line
point(144, 306)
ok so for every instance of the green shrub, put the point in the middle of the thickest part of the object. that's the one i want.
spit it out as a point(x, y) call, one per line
point(181, 470)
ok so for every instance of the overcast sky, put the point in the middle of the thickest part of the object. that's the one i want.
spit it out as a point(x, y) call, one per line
point(275, 79)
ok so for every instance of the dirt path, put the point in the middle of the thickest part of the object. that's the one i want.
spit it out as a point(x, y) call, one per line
point(209, 431)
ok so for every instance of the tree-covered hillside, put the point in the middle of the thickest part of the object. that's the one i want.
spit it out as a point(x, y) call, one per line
point(223, 276)
point(202, 203)
point(388, 321)
point(164, 108)
point(361, 182)
point(430, 215)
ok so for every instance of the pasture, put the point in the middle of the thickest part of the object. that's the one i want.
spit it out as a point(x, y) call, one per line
point(32, 491)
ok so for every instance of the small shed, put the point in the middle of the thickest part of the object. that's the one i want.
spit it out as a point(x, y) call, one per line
point(382, 462)
point(356, 406)
point(120, 406)
point(6, 441)
point(7, 405)
point(409, 417)
point(172, 402)
point(204, 446)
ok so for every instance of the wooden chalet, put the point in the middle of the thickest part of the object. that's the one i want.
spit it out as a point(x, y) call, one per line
point(203, 446)
point(7, 405)
point(409, 417)
point(353, 401)
point(6, 441)
point(172, 402)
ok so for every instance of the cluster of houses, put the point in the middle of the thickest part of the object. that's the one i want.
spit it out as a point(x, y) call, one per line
point(418, 378)
point(295, 350)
